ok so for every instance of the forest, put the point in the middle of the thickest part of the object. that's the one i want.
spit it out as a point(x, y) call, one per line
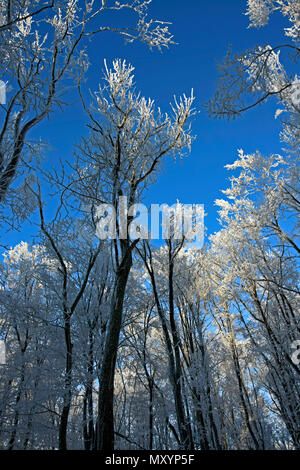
point(122, 341)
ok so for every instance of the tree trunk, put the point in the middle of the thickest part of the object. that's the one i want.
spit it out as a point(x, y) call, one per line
point(183, 424)
point(150, 414)
point(63, 425)
point(88, 418)
point(104, 436)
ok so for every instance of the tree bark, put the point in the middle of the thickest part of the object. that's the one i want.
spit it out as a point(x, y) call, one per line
point(104, 436)
point(63, 425)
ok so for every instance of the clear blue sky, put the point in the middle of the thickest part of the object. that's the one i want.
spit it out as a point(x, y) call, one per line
point(204, 30)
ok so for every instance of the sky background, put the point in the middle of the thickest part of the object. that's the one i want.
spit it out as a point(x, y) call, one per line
point(204, 31)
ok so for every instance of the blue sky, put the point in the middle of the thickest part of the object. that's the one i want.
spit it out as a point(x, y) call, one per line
point(203, 30)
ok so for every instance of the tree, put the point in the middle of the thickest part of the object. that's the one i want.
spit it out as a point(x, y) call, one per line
point(60, 252)
point(171, 333)
point(113, 342)
point(30, 383)
point(121, 157)
point(259, 244)
point(260, 238)
point(250, 78)
point(43, 53)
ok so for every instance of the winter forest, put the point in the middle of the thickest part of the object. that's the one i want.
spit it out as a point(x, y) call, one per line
point(126, 342)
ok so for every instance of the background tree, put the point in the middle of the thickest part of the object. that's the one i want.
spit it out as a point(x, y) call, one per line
point(43, 54)
point(249, 79)
point(121, 157)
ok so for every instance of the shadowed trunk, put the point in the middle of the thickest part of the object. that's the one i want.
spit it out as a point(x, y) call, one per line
point(104, 436)
point(63, 426)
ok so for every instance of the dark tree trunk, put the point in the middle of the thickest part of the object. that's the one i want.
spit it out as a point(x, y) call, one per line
point(150, 414)
point(104, 436)
point(183, 424)
point(63, 425)
point(88, 418)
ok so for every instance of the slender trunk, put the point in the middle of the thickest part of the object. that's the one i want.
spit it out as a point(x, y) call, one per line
point(150, 415)
point(85, 420)
point(183, 425)
point(214, 435)
point(201, 425)
point(88, 418)
point(12, 439)
point(63, 425)
point(104, 436)
point(250, 421)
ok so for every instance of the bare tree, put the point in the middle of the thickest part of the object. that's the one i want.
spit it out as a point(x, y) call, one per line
point(43, 54)
point(122, 155)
